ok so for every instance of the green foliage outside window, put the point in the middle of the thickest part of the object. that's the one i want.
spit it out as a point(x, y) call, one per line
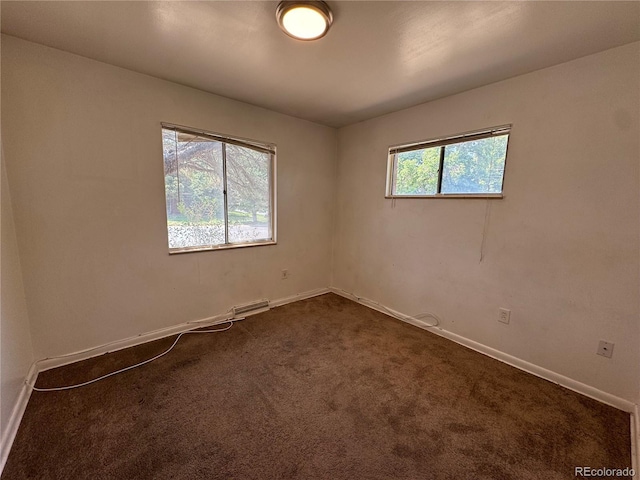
point(475, 166)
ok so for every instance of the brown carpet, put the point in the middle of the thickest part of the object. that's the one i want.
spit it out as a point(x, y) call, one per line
point(319, 389)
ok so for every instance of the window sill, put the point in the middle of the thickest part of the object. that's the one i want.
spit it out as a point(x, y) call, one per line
point(208, 248)
point(464, 195)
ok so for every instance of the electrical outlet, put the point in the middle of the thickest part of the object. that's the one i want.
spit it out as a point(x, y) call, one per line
point(504, 315)
point(285, 274)
point(605, 349)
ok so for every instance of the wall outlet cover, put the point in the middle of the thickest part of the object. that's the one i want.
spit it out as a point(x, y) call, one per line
point(605, 349)
point(504, 315)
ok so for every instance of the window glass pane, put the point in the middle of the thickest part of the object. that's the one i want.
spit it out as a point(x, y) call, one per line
point(248, 180)
point(417, 172)
point(194, 190)
point(476, 166)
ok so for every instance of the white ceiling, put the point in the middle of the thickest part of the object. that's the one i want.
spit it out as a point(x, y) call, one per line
point(377, 58)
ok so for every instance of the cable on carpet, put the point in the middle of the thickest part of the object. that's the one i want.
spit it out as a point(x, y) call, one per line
point(131, 367)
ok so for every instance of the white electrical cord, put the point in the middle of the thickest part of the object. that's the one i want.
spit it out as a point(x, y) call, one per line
point(228, 315)
point(131, 367)
point(397, 315)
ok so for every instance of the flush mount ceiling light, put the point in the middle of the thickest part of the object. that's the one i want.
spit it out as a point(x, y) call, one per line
point(304, 20)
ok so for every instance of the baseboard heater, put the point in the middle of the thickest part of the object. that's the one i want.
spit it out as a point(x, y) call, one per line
point(251, 308)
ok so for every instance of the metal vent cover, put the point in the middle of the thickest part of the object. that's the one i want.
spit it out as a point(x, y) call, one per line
point(254, 307)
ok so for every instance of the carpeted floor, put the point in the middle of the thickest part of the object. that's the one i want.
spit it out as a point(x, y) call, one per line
point(319, 389)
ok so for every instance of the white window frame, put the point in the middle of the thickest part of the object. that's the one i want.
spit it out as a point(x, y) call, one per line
point(242, 142)
point(394, 150)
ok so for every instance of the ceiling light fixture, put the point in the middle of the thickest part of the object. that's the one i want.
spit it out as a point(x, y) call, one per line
point(304, 20)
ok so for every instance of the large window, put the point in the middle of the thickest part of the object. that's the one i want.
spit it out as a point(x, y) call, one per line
point(219, 190)
point(465, 165)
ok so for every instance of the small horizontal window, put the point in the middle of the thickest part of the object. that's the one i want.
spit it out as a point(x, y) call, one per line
point(465, 165)
point(219, 190)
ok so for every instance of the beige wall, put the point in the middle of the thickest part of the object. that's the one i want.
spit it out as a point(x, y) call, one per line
point(84, 160)
point(561, 249)
point(16, 353)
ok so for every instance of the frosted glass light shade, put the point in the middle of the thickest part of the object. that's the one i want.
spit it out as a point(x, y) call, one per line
point(302, 20)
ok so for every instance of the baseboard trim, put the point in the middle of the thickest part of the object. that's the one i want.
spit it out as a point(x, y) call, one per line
point(516, 362)
point(300, 296)
point(15, 418)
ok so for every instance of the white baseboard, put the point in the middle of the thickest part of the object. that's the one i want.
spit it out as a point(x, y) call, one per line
point(536, 370)
point(299, 296)
point(9, 435)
